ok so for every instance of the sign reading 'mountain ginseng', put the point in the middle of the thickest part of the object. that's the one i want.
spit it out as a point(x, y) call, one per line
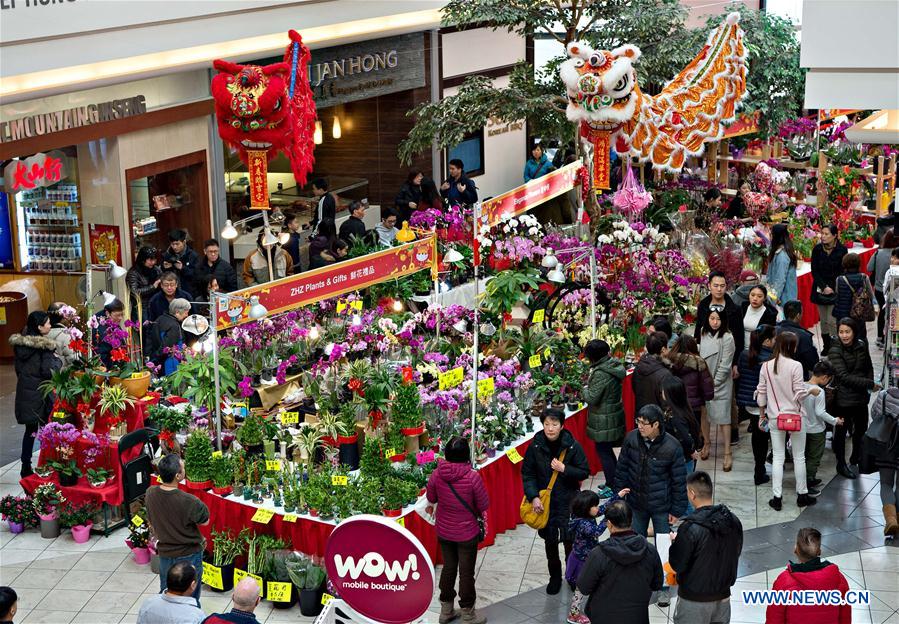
point(523, 198)
point(311, 286)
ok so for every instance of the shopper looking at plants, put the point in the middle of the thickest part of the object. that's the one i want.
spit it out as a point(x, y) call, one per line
point(169, 290)
point(176, 605)
point(176, 518)
point(719, 300)
point(245, 599)
point(651, 371)
point(782, 266)
point(462, 499)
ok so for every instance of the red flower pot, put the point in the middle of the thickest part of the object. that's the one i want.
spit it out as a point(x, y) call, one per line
point(401, 457)
point(328, 441)
point(414, 431)
point(353, 439)
point(392, 513)
point(224, 491)
point(313, 512)
point(197, 485)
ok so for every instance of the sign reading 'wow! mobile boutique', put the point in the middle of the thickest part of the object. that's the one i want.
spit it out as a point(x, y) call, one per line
point(381, 571)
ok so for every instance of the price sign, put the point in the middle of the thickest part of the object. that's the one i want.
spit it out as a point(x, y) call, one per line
point(216, 453)
point(486, 386)
point(538, 316)
point(59, 415)
point(341, 480)
point(389, 453)
point(326, 598)
point(212, 576)
point(290, 417)
point(451, 378)
point(356, 305)
point(263, 516)
point(273, 464)
point(239, 575)
point(401, 522)
point(258, 411)
point(290, 518)
point(137, 375)
point(514, 456)
point(341, 306)
point(137, 521)
point(534, 361)
point(279, 592)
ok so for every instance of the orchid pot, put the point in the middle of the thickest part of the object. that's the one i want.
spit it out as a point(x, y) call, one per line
point(137, 385)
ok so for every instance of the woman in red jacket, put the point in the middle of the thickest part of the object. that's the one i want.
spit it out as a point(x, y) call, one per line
point(462, 499)
point(811, 573)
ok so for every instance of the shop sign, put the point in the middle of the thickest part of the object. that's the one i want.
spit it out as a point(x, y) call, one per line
point(523, 198)
point(379, 569)
point(258, 165)
point(495, 126)
point(310, 287)
point(57, 121)
point(33, 172)
point(104, 244)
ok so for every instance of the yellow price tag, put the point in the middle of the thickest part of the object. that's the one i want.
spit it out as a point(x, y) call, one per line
point(451, 378)
point(514, 456)
point(212, 576)
point(137, 521)
point(290, 518)
point(539, 315)
point(389, 453)
point(546, 353)
point(137, 375)
point(273, 464)
point(341, 306)
point(59, 415)
point(356, 305)
point(486, 386)
point(326, 598)
point(279, 592)
point(263, 516)
point(401, 522)
point(239, 575)
point(534, 361)
point(290, 417)
point(341, 480)
point(216, 453)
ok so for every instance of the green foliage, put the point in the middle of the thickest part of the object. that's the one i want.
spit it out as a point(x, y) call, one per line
point(304, 573)
point(198, 456)
point(508, 288)
point(71, 515)
point(259, 554)
point(114, 399)
point(222, 471)
point(226, 547)
point(194, 379)
point(59, 384)
point(373, 464)
point(252, 431)
point(170, 417)
point(406, 408)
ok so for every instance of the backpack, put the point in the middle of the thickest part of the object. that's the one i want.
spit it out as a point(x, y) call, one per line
point(862, 306)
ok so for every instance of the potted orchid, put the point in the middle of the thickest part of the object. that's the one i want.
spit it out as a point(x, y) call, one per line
point(125, 370)
point(61, 438)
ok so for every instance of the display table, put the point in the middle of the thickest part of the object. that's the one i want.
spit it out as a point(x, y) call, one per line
point(501, 477)
point(82, 492)
point(804, 280)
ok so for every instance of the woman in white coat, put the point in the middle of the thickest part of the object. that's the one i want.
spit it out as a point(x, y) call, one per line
point(716, 346)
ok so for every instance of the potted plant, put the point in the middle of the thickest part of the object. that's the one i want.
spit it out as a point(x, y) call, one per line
point(222, 474)
point(393, 497)
point(198, 460)
point(46, 501)
point(97, 477)
point(310, 580)
point(194, 379)
point(139, 537)
point(307, 441)
point(279, 574)
point(251, 434)
point(61, 438)
point(169, 420)
point(405, 415)
point(226, 548)
point(18, 511)
point(113, 401)
point(78, 518)
point(259, 555)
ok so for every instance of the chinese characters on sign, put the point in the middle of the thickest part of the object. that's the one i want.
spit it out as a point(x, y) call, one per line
point(601, 141)
point(523, 198)
point(35, 171)
point(258, 160)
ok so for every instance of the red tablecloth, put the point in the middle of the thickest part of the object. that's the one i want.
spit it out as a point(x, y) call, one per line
point(810, 316)
point(501, 477)
point(82, 491)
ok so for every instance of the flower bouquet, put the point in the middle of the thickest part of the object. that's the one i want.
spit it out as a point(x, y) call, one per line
point(46, 501)
point(18, 511)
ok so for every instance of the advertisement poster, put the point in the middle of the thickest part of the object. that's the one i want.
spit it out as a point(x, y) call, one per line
point(523, 198)
point(104, 244)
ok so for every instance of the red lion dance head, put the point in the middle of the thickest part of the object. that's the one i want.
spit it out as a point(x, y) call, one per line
point(255, 110)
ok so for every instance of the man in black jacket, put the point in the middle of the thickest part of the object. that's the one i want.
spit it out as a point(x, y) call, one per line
point(621, 573)
point(458, 190)
point(181, 259)
point(354, 226)
point(651, 464)
point(213, 265)
point(719, 300)
point(651, 371)
point(325, 204)
point(806, 353)
point(705, 553)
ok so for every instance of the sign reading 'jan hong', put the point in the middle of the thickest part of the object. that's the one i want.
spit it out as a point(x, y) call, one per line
point(57, 121)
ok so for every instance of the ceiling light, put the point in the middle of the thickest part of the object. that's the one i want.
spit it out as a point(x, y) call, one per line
point(317, 135)
point(335, 129)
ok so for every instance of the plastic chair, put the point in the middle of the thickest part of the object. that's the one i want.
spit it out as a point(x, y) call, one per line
point(136, 472)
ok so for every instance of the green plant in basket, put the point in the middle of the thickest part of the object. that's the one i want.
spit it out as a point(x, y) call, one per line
point(98, 475)
point(252, 431)
point(198, 456)
point(46, 499)
point(222, 471)
point(226, 547)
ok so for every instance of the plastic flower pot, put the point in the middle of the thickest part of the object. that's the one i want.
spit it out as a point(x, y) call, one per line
point(136, 387)
point(49, 526)
point(254, 449)
point(67, 480)
point(311, 601)
point(141, 555)
point(392, 513)
point(222, 491)
point(400, 457)
point(16, 527)
point(349, 452)
point(313, 512)
point(198, 485)
point(81, 533)
point(227, 573)
point(491, 452)
point(97, 484)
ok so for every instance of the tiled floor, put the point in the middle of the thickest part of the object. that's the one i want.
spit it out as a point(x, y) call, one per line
point(59, 581)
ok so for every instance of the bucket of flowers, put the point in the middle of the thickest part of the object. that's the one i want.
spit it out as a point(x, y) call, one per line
point(18, 511)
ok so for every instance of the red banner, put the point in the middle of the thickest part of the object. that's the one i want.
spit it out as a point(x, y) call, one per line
point(295, 291)
point(523, 198)
point(745, 124)
point(104, 244)
point(258, 163)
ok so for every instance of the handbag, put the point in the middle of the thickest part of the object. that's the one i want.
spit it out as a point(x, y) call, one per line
point(786, 421)
point(884, 429)
point(526, 510)
point(862, 306)
point(482, 524)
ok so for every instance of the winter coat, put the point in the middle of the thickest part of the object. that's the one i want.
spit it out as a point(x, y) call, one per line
point(769, 317)
point(887, 402)
point(537, 168)
point(408, 193)
point(140, 281)
point(221, 270)
point(781, 278)
point(452, 196)
point(825, 269)
point(63, 339)
point(619, 578)
point(352, 227)
point(748, 380)
point(806, 353)
point(159, 304)
point(685, 428)
point(811, 575)
point(605, 411)
point(189, 261)
point(734, 321)
point(783, 391)
point(35, 361)
point(455, 523)
point(654, 472)
point(740, 295)
point(165, 332)
point(706, 553)
point(650, 372)
point(843, 304)
point(585, 532)
point(855, 372)
point(255, 266)
point(878, 266)
point(718, 355)
point(536, 473)
point(695, 374)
